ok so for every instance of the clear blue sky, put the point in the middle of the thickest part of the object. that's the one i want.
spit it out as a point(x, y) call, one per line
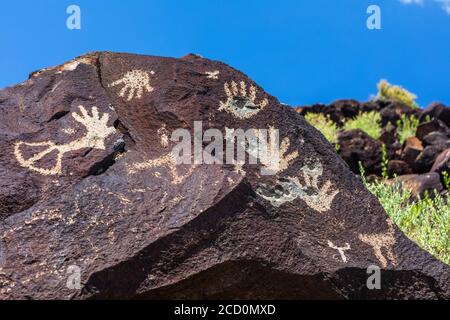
point(299, 51)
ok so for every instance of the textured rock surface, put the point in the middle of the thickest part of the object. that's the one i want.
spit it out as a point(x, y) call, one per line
point(95, 187)
point(357, 146)
point(420, 184)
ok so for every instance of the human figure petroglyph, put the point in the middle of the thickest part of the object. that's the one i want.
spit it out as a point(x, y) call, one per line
point(289, 189)
point(341, 250)
point(212, 74)
point(378, 241)
point(241, 101)
point(135, 82)
point(97, 130)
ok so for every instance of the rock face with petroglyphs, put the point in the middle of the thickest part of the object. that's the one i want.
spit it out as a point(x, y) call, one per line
point(94, 205)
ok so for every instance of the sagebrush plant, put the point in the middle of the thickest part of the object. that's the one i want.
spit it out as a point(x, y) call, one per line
point(425, 221)
point(369, 122)
point(407, 127)
point(387, 91)
point(325, 125)
point(446, 178)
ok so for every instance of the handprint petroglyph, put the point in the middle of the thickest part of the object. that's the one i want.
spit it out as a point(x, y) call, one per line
point(272, 155)
point(263, 145)
point(341, 250)
point(97, 130)
point(318, 198)
point(241, 101)
point(135, 82)
point(289, 189)
point(378, 241)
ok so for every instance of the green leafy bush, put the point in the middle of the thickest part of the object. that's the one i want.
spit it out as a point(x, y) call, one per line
point(387, 91)
point(324, 124)
point(425, 221)
point(369, 122)
point(407, 127)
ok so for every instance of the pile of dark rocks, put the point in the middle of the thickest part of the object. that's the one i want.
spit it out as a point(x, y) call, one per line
point(420, 161)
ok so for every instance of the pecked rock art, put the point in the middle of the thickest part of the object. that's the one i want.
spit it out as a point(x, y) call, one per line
point(167, 161)
point(341, 250)
point(149, 229)
point(212, 74)
point(135, 82)
point(97, 130)
point(272, 155)
point(241, 100)
point(379, 241)
point(289, 189)
point(163, 136)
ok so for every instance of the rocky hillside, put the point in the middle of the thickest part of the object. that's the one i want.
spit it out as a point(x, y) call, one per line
point(411, 145)
point(94, 206)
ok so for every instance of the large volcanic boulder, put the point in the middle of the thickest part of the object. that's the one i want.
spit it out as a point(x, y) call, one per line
point(89, 184)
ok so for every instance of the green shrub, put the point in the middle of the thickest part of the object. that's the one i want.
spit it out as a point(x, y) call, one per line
point(446, 179)
point(384, 162)
point(387, 91)
point(425, 221)
point(407, 127)
point(324, 124)
point(369, 122)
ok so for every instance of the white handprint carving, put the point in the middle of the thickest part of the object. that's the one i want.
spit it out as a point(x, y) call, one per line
point(135, 82)
point(288, 189)
point(241, 102)
point(97, 130)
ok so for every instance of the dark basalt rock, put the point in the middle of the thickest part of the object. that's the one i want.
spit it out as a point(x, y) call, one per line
point(88, 184)
point(398, 167)
point(436, 110)
point(442, 162)
point(411, 150)
point(357, 146)
point(434, 125)
point(438, 139)
point(420, 184)
point(425, 160)
point(394, 111)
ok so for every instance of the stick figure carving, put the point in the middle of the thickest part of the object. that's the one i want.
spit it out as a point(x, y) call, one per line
point(241, 101)
point(135, 82)
point(382, 240)
point(288, 189)
point(341, 250)
point(212, 74)
point(97, 130)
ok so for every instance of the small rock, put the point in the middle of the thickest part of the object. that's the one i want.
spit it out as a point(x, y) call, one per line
point(442, 162)
point(411, 150)
point(426, 159)
point(426, 128)
point(357, 146)
point(394, 111)
point(420, 184)
point(398, 167)
point(438, 139)
point(436, 110)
